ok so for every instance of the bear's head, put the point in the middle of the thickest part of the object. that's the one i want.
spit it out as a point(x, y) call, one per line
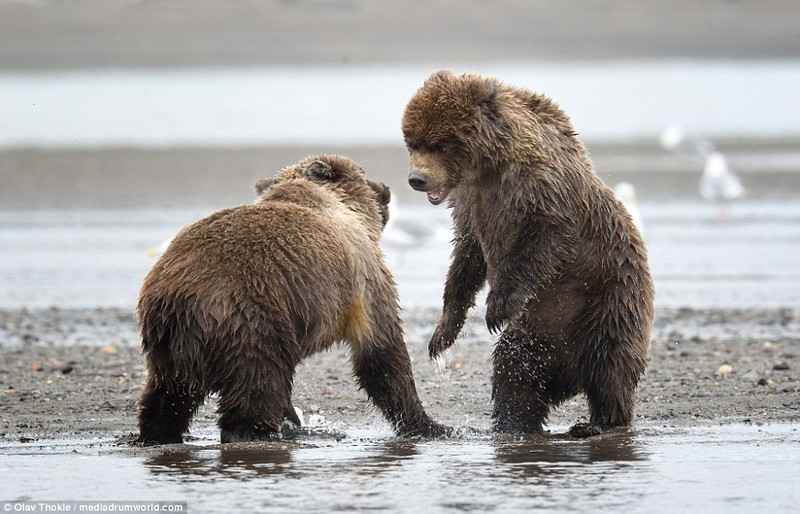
point(324, 178)
point(449, 126)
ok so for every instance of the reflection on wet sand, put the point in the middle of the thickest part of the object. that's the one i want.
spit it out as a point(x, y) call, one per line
point(475, 471)
point(236, 463)
point(530, 455)
point(734, 468)
point(247, 460)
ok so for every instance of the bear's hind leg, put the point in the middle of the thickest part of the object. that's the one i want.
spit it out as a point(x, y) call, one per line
point(254, 412)
point(612, 399)
point(256, 398)
point(524, 385)
point(611, 379)
point(165, 411)
point(609, 409)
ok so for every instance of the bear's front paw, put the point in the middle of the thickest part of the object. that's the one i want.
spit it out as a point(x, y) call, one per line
point(496, 311)
point(501, 307)
point(443, 338)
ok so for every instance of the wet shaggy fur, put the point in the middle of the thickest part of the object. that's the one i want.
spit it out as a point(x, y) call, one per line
point(569, 281)
point(241, 297)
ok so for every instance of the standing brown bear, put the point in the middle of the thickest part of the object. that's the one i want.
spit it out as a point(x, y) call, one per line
point(567, 268)
point(241, 297)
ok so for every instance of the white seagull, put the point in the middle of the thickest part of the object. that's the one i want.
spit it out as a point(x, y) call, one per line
point(403, 232)
point(675, 139)
point(718, 183)
point(626, 194)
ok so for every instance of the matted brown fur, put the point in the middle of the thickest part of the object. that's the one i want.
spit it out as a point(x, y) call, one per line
point(241, 297)
point(566, 266)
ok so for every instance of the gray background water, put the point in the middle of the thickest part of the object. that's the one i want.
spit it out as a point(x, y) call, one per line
point(83, 240)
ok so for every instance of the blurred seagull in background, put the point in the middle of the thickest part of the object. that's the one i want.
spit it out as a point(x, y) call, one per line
point(401, 232)
point(626, 194)
point(718, 184)
point(160, 249)
point(406, 236)
point(675, 139)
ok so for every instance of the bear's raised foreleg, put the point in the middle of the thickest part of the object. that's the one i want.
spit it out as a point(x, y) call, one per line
point(465, 277)
point(530, 264)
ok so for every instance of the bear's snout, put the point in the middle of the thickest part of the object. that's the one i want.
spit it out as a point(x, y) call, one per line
point(419, 180)
point(436, 189)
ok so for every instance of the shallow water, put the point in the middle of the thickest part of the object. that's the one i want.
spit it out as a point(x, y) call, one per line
point(735, 468)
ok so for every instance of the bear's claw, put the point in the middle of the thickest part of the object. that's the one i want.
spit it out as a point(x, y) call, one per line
point(501, 307)
point(496, 311)
point(440, 341)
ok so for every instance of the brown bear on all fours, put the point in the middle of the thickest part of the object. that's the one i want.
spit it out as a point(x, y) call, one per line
point(239, 298)
point(566, 267)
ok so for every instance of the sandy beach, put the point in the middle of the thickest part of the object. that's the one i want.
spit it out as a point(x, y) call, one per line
point(77, 374)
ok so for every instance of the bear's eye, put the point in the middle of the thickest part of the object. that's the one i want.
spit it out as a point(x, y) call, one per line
point(439, 148)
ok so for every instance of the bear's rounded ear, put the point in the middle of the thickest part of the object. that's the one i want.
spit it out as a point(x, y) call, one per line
point(319, 170)
point(263, 184)
point(484, 91)
point(382, 192)
point(441, 76)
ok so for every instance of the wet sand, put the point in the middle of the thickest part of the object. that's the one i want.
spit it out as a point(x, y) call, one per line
point(77, 374)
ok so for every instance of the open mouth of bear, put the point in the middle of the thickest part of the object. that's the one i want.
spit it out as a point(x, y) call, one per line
point(438, 195)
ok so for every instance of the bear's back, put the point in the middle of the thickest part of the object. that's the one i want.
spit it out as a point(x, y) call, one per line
point(270, 253)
